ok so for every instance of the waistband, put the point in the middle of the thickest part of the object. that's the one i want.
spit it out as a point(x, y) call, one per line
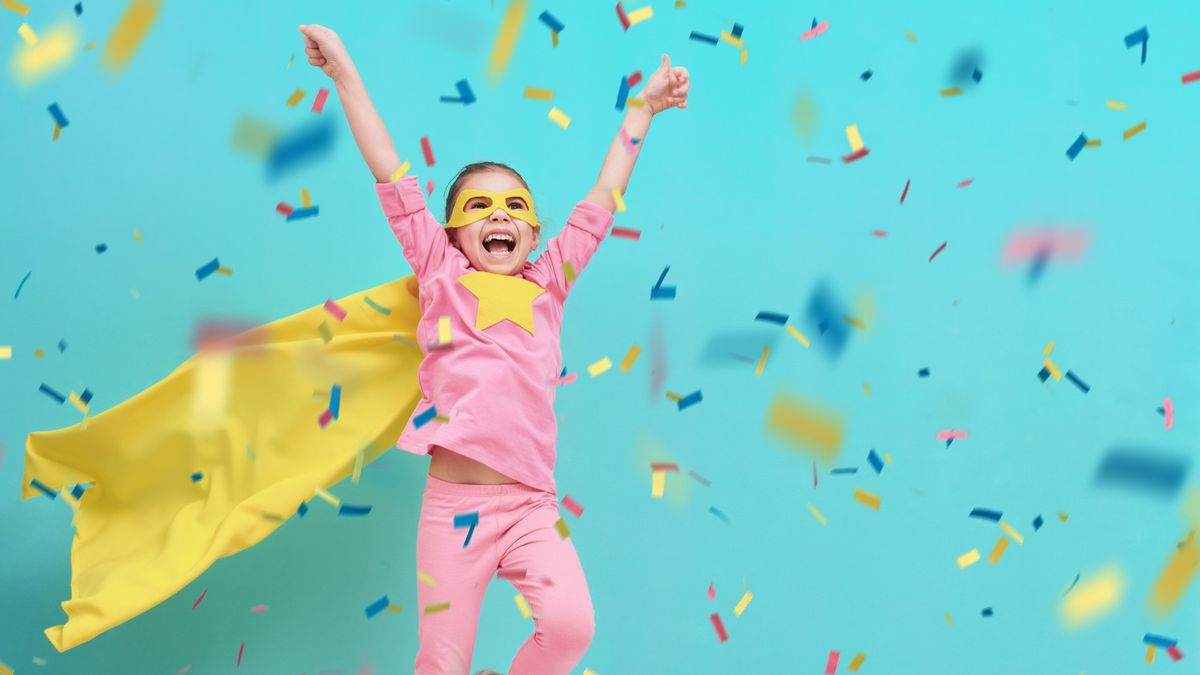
point(440, 486)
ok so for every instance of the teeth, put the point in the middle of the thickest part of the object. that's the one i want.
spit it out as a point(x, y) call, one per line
point(498, 236)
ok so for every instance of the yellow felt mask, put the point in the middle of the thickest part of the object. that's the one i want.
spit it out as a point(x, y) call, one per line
point(475, 205)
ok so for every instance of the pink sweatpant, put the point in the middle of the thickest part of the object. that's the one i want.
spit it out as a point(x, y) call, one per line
point(516, 538)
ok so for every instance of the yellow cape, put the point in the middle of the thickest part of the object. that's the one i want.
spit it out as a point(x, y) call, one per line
point(246, 418)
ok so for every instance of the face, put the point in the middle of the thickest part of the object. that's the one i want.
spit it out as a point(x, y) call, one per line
point(498, 243)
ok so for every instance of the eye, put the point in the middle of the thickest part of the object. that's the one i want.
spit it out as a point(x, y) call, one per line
point(477, 203)
point(517, 204)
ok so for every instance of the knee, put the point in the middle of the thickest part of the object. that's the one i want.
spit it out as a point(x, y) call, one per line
point(569, 631)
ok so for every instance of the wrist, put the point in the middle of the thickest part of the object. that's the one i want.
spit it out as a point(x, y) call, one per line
point(347, 78)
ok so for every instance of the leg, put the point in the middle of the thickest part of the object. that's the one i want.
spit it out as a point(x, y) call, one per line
point(447, 637)
point(554, 587)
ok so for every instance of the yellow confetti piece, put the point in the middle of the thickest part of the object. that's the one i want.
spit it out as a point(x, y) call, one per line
point(57, 131)
point(399, 173)
point(816, 514)
point(1150, 653)
point(522, 606)
point(395, 609)
point(798, 335)
point(53, 51)
point(857, 662)
point(225, 270)
point(762, 361)
point(1092, 598)
point(631, 357)
point(78, 403)
point(129, 32)
point(291, 60)
point(5, 352)
point(672, 396)
point(949, 620)
point(994, 556)
point(868, 498)
point(27, 34)
point(635, 102)
point(1049, 348)
point(333, 501)
point(1134, 130)
point(506, 38)
point(856, 322)
point(358, 465)
point(38, 353)
point(1063, 517)
point(1115, 105)
point(741, 606)
point(658, 483)
point(305, 198)
point(618, 200)
point(1010, 531)
point(639, 15)
point(137, 235)
point(433, 609)
point(295, 98)
point(426, 579)
point(1175, 577)
point(539, 94)
point(589, 671)
point(726, 36)
point(852, 136)
point(742, 60)
point(89, 46)
point(563, 530)
point(325, 332)
point(559, 117)
point(1054, 372)
point(1092, 143)
point(887, 457)
point(679, 4)
point(17, 7)
point(553, 38)
point(911, 37)
point(952, 91)
point(969, 558)
point(443, 330)
point(599, 367)
point(805, 426)
point(569, 271)
point(441, 418)
point(867, 388)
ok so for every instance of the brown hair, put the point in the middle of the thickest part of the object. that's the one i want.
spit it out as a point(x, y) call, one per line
point(473, 168)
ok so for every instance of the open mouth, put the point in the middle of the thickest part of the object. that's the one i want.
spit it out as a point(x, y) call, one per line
point(499, 244)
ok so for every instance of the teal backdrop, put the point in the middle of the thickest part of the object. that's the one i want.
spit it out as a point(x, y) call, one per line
point(725, 195)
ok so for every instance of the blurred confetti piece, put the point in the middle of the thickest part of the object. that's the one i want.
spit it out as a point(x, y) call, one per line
point(1076, 147)
point(399, 173)
point(805, 426)
point(27, 34)
point(599, 367)
point(129, 32)
point(868, 498)
point(951, 91)
point(814, 31)
point(762, 361)
point(559, 117)
point(639, 15)
point(426, 579)
point(1012, 532)
point(53, 51)
point(1168, 413)
point(1092, 598)
point(5, 352)
point(816, 514)
point(798, 335)
point(552, 23)
point(831, 663)
point(377, 607)
point(658, 484)
point(1134, 130)
point(522, 606)
point(1147, 471)
point(572, 506)
point(427, 151)
point(969, 558)
point(856, 662)
point(998, 550)
point(690, 400)
point(563, 530)
point(335, 310)
point(18, 7)
point(911, 36)
point(939, 250)
point(719, 627)
point(539, 94)
point(1188, 78)
point(630, 358)
point(1115, 105)
point(319, 101)
point(254, 136)
point(506, 38)
point(743, 603)
point(853, 137)
point(295, 98)
point(434, 609)
point(1175, 577)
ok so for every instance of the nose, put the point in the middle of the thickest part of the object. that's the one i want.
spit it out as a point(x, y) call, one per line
point(498, 214)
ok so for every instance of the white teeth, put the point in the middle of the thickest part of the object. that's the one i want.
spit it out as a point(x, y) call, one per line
point(498, 236)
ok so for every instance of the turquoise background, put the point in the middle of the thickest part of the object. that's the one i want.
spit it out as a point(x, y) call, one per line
point(722, 194)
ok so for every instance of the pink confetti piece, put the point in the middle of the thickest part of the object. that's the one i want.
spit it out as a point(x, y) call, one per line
point(429, 188)
point(626, 233)
point(319, 101)
point(712, 592)
point(1025, 245)
point(719, 627)
point(1175, 653)
point(1168, 413)
point(905, 193)
point(939, 250)
point(1188, 78)
point(966, 182)
point(815, 31)
point(335, 310)
point(324, 419)
point(627, 142)
point(879, 233)
point(572, 506)
point(565, 379)
point(427, 150)
point(240, 650)
point(634, 79)
point(284, 209)
point(197, 602)
point(259, 609)
point(949, 434)
point(184, 669)
point(832, 663)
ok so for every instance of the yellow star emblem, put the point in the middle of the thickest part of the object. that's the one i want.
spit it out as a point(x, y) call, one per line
point(502, 297)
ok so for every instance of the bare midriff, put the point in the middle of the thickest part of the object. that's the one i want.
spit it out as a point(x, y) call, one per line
point(455, 468)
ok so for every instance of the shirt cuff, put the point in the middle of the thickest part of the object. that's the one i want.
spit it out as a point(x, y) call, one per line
point(593, 219)
point(401, 197)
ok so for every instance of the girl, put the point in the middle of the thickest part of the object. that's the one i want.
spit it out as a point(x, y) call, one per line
point(489, 325)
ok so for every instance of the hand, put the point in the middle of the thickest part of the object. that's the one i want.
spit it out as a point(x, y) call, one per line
point(667, 87)
point(325, 50)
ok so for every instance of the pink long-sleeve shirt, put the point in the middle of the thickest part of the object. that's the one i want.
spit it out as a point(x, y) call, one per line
point(494, 384)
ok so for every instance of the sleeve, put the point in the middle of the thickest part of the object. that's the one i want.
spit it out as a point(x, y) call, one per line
point(425, 243)
point(586, 228)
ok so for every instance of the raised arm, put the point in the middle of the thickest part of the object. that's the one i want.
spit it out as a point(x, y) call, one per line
point(326, 51)
point(666, 88)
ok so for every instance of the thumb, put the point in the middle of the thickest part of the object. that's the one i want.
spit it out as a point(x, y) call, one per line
point(666, 63)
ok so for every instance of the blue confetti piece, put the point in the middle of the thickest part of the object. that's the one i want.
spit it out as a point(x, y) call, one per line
point(62, 346)
point(307, 212)
point(1072, 585)
point(101, 248)
point(467, 520)
point(335, 400)
point(866, 75)
point(1076, 147)
point(717, 512)
point(662, 293)
point(1161, 411)
point(301, 146)
point(44, 490)
point(303, 509)
point(197, 477)
point(21, 285)
point(78, 8)
point(47, 390)
point(622, 93)
point(986, 514)
point(825, 312)
point(551, 22)
point(465, 95)
point(57, 113)
point(701, 37)
point(987, 611)
point(977, 75)
point(1044, 374)
point(772, 317)
point(737, 30)
point(1159, 640)
point(690, 400)
point(845, 470)
point(876, 462)
point(1140, 36)
point(564, 372)
point(1142, 470)
point(924, 372)
point(1037, 523)
point(207, 269)
point(1077, 382)
point(352, 510)
point(77, 491)
point(86, 396)
point(424, 418)
point(377, 606)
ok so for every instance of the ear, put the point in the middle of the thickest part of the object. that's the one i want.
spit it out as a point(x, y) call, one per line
point(452, 235)
point(536, 232)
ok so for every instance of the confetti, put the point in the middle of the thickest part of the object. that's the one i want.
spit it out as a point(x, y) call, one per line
point(905, 192)
point(717, 512)
point(539, 94)
point(427, 151)
point(27, 34)
point(434, 609)
point(18, 7)
point(305, 198)
point(1168, 413)
point(563, 530)
point(197, 602)
point(572, 506)
point(998, 551)
point(324, 331)
point(5, 352)
point(522, 606)
point(700, 479)
point(866, 75)
point(1093, 598)
point(639, 15)
point(295, 98)
point(319, 101)
point(950, 434)
point(798, 335)
point(1115, 105)
point(951, 91)
point(855, 156)
point(559, 117)
point(868, 498)
point(1134, 130)
point(377, 606)
point(969, 558)
point(1188, 78)
point(424, 418)
point(805, 426)
point(506, 38)
point(335, 310)
point(1077, 382)
point(57, 113)
point(1175, 653)
point(875, 461)
point(1077, 146)
point(618, 200)
point(1150, 472)
point(599, 367)
point(469, 520)
point(430, 581)
point(719, 627)
point(631, 357)
point(814, 31)
point(853, 137)
point(1140, 36)
point(690, 400)
point(465, 95)
point(1175, 577)
point(701, 37)
point(1158, 640)
point(939, 250)
point(443, 331)
point(54, 51)
point(816, 514)
point(399, 173)
point(301, 146)
point(772, 317)
point(660, 292)
point(762, 361)
point(1012, 532)
point(856, 662)
point(986, 514)
point(129, 32)
point(831, 663)
point(742, 604)
point(551, 22)
point(986, 612)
